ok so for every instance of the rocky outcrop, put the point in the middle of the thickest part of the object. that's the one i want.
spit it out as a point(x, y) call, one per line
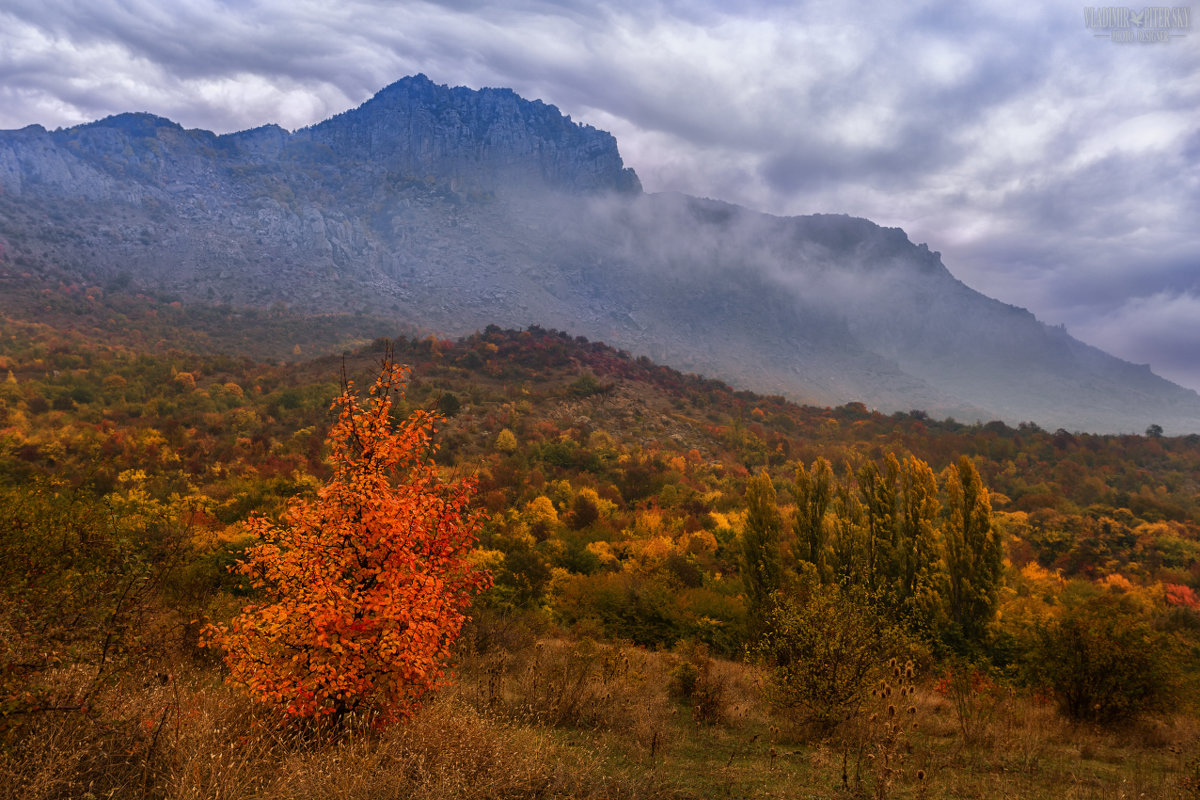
point(476, 140)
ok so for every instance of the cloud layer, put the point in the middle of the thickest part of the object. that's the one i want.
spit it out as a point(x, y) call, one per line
point(1053, 169)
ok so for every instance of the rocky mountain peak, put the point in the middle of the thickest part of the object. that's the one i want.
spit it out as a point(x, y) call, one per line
point(141, 125)
point(478, 138)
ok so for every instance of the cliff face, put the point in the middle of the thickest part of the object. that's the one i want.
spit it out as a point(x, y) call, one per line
point(455, 209)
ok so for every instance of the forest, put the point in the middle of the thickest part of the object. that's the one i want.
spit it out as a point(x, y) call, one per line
point(264, 554)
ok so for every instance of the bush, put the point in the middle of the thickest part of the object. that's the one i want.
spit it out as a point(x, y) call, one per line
point(684, 678)
point(695, 681)
point(586, 385)
point(825, 649)
point(1103, 662)
point(82, 579)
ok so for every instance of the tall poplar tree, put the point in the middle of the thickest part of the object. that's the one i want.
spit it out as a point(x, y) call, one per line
point(919, 586)
point(878, 493)
point(847, 541)
point(814, 491)
point(762, 568)
point(972, 551)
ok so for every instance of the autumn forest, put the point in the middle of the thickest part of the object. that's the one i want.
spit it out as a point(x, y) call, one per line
point(263, 554)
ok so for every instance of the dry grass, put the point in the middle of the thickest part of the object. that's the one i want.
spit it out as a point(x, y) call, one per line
point(1025, 749)
point(67, 753)
point(446, 751)
point(580, 685)
point(564, 719)
point(191, 737)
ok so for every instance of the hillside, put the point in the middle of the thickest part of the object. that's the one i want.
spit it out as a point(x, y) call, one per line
point(454, 209)
point(609, 658)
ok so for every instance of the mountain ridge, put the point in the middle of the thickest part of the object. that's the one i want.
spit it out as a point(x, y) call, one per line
point(455, 208)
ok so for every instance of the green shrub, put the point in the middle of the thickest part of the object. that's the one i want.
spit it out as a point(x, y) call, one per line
point(1103, 661)
point(696, 681)
point(824, 649)
point(684, 678)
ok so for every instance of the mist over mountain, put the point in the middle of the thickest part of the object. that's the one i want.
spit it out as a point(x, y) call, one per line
point(453, 209)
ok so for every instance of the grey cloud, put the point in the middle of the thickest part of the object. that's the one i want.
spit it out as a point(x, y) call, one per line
point(1160, 329)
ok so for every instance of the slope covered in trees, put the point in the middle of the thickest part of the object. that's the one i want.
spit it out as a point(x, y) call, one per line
point(622, 502)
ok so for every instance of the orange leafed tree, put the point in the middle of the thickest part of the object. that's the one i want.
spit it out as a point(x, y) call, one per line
point(366, 586)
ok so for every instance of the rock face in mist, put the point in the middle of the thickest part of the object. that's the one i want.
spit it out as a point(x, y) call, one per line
point(453, 209)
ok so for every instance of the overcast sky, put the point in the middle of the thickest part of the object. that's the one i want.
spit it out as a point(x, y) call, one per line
point(1053, 168)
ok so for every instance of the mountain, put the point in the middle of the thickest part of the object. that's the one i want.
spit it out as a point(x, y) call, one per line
point(454, 209)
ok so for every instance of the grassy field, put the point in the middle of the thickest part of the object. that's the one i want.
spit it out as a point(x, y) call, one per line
point(556, 718)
